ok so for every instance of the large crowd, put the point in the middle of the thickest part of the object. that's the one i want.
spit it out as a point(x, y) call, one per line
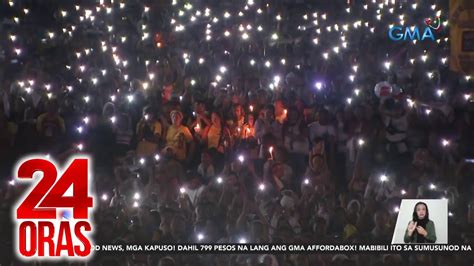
point(240, 122)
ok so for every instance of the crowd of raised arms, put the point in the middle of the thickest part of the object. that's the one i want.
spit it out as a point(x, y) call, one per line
point(251, 121)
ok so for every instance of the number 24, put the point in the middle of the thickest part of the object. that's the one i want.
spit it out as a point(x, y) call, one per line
point(76, 175)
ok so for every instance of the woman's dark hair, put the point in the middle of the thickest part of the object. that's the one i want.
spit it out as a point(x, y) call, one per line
point(218, 114)
point(415, 216)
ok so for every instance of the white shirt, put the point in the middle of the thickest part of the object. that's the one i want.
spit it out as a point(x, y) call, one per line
point(318, 130)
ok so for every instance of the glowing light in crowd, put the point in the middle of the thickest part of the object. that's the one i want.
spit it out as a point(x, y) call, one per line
point(383, 178)
point(200, 236)
point(136, 196)
point(445, 142)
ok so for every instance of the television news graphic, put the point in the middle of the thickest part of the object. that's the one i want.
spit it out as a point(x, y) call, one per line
point(53, 216)
point(307, 248)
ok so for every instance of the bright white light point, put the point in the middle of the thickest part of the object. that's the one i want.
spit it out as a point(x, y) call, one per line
point(104, 197)
point(432, 186)
point(445, 142)
point(268, 64)
point(142, 160)
point(245, 36)
point(275, 36)
point(11, 182)
point(241, 158)
point(135, 204)
point(361, 142)
point(450, 214)
point(130, 98)
point(200, 237)
point(157, 157)
point(283, 61)
point(86, 120)
point(79, 129)
point(349, 100)
point(427, 111)
point(219, 180)
point(259, 28)
point(136, 195)
point(306, 181)
point(318, 85)
point(424, 58)
point(467, 96)
point(80, 146)
point(387, 64)
point(182, 190)
point(113, 119)
point(316, 41)
point(444, 60)
point(252, 62)
point(276, 79)
point(261, 187)
point(242, 241)
point(403, 192)
point(396, 209)
point(222, 69)
point(383, 178)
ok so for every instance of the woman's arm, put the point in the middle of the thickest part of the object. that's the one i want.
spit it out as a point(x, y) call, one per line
point(409, 232)
point(430, 229)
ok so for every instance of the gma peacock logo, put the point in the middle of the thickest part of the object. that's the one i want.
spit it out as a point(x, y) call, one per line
point(399, 33)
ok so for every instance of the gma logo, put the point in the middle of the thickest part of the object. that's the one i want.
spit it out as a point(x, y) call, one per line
point(398, 33)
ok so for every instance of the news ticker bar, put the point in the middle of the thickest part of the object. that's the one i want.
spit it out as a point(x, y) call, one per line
point(276, 248)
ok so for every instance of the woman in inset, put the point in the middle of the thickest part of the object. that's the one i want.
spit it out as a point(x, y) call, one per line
point(421, 229)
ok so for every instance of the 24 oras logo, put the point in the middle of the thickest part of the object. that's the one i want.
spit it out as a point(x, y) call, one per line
point(399, 33)
point(53, 216)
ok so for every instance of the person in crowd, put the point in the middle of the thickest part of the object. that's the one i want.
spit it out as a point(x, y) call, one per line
point(179, 138)
point(50, 125)
point(217, 135)
point(149, 133)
